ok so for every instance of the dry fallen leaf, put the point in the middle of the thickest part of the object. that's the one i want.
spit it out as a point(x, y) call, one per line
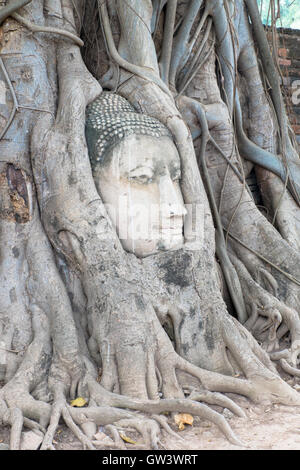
point(78, 402)
point(183, 418)
point(127, 439)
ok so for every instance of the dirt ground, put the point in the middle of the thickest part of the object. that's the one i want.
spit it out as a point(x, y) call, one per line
point(273, 427)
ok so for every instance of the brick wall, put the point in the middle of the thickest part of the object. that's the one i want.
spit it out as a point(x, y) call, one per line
point(289, 61)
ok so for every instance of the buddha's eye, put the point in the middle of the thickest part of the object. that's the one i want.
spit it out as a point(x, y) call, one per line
point(141, 178)
point(145, 178)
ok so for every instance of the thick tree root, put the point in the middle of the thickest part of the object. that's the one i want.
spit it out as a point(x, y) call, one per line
point(135, 349)
point(18, 408)
point(288, 368)
point(212, 398)
point(11, 8)
point(264, 304)
point(15, 417)
point(149, 430)
point(113, 432)
point(163, 422)
point(184, 406)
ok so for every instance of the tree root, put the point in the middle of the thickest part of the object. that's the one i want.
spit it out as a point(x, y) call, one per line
point(148, 428)
point(56, 413)
point(130, 67)
point(15, 417)
point(115, 411)
point(76, 431)
point(229, 272)
point(288, 368)
point(45, 29)
point(175, 405)
point(113, 432)
point(265, 304)
point(13, 6)
point(163, 422)
point(83, 251)
point(212, 398)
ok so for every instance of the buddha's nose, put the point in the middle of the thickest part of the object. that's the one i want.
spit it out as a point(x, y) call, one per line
point(171, 203)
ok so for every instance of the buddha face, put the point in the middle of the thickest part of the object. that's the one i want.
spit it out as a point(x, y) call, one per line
point(139, 185)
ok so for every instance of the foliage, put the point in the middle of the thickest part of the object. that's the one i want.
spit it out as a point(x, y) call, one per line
point(289, 15)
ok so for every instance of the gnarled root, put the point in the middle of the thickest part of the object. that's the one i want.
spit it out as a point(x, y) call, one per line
point(263, 304)
point(107, 408)
point(19, 410)
point(155, 407)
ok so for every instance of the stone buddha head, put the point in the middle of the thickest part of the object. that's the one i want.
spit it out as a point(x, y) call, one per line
point(137, 171)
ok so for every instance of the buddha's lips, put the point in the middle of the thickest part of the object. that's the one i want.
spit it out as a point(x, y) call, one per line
point(172, 224)
point(172, 231)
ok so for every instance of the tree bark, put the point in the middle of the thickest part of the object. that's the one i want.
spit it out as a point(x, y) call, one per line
point(80, 316)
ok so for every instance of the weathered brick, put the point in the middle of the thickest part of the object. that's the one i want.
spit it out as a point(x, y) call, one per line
point(296, 128)
point(289, 61)
point(283, 52)
point(285, 62)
